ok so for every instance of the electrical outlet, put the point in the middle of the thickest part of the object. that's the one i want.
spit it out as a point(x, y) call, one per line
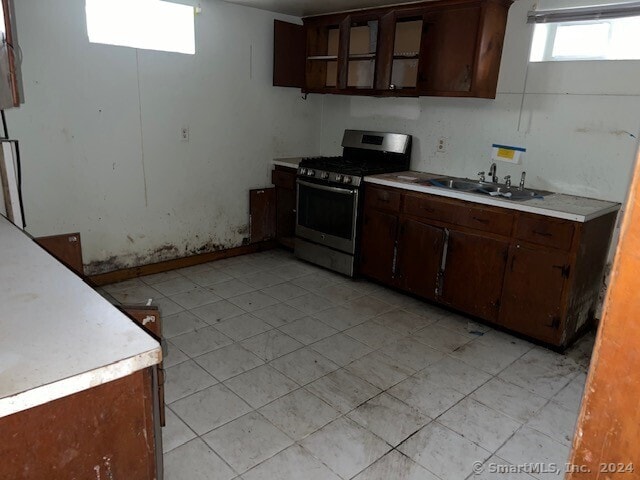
point(184, 134)
point(442, 145)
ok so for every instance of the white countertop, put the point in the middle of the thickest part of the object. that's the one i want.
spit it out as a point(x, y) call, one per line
point(291, 162)
point(57, 335)
point(568, 207)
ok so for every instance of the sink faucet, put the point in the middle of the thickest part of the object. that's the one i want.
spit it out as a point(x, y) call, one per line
point(524, 174)
point(482, 177)
point(492, 173)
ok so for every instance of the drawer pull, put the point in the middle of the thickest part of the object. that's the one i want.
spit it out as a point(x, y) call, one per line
point(481, 220)
point(543, 234)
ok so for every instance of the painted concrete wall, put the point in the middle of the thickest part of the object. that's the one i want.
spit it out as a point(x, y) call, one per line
point(578, 120)
point(100, 133)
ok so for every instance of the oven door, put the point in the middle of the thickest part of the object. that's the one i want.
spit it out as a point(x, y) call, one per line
point(327, 215)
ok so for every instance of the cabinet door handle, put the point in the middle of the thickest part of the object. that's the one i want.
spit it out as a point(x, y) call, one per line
point(395, 260)
point(543, 234)
point(443, 264)
point(481, 220)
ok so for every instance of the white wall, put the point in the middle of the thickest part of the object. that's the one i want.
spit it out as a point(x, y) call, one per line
point(579, 121)
point(99, 133)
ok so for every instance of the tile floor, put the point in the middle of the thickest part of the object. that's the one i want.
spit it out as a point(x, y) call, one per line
point(280, 370)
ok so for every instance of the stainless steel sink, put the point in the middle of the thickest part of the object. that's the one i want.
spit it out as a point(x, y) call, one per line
point(484, 188)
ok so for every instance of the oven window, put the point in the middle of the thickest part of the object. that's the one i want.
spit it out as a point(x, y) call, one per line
point(326, 212)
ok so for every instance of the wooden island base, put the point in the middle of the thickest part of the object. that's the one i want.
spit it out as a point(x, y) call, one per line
point(104, 433)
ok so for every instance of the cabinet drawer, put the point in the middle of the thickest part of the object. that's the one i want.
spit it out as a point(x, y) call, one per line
point(495, 221)
point(382, 199)
point(284, 179)
point(428, 206)
point(550, 232)
point(459, 213)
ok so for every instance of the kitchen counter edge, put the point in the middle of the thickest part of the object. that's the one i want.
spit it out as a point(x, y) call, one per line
point(607, 207)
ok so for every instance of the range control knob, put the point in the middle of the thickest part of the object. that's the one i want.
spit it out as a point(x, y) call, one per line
point(311, 173)
point(324, 175)
point(303, 171)
point(339, 177)
point(347, 179)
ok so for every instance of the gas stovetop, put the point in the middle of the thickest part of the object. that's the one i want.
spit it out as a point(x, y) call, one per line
point(364, 153)
point(347, 166)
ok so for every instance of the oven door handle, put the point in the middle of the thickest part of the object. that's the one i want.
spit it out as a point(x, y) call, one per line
point(344, 191)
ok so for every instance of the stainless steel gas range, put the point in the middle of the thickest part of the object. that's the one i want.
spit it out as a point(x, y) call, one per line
point(329, 196)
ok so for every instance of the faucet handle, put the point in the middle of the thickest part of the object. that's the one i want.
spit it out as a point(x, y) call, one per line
point(507, 180)
point(522, 178)
point(482, 176)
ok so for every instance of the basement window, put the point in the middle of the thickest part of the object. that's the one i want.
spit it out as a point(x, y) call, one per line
point(615, 39)
point(144, 24)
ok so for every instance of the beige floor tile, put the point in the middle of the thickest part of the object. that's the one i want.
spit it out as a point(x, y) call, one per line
point(480, 424)
point(246, 441)
point(379, 370)
point(444, 452)
point(210, 408)
point(396, 466)
point(341, 349)
point(271, 345)
point(304, 365)
point(261, 385)
point(308, 330)
point(201, 341)
point(343, 390)
point(294, 463)
point(345, 447)
point(195, 461)
point(389, 418)
point(184, 379)
point(229, 361)
point(299, 413)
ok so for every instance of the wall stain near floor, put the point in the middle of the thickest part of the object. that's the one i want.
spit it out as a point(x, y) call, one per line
point(159, 254)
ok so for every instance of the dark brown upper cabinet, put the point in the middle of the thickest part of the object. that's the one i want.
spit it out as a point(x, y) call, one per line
point(439, 48)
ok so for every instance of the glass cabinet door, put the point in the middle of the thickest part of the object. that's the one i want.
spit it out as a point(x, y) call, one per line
point(406, 53)
point(363, 44)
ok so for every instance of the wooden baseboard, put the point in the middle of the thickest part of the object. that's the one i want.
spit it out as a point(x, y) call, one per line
point(134, 272)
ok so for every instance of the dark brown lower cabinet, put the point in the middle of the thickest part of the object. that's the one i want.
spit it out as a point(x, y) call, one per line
point(534, 289)
point(473, 272)
point(532, 274)
point(104, 432)
point(66, 248)
point(262, 214)
point(284, 179)
point(420, 249)
point(378, 247)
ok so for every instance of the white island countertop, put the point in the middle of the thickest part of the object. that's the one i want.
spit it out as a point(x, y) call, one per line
point(289, 162)
point(57, 335)
point(558, 205)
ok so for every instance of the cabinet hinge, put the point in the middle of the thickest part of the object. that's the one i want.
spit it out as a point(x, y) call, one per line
point(564, 270)
point(439, 281)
